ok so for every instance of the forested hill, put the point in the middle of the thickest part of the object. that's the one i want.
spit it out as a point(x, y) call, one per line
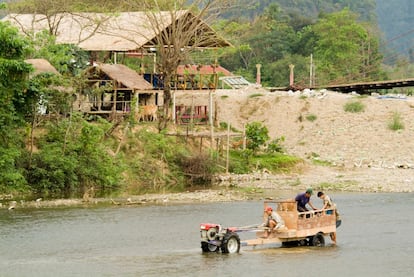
point(396, 21)
point(308, 8)
point(395, 18)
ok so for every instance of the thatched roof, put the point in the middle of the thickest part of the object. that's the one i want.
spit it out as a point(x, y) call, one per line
point(125, 75)
point(202, 69)
point(103, 32)
point(42, 66)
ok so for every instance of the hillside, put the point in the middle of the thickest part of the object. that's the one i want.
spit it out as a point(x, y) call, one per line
point(358, 150)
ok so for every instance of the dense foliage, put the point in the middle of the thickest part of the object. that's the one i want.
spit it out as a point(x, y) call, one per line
point(13, 84)
point(344, 48)
point(72, 158)
point(70, 155)
point(306, 8)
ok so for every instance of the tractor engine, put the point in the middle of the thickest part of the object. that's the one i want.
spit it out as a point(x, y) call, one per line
point(214, 238)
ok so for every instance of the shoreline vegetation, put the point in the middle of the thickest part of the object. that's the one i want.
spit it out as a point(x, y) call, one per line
point(231, 188)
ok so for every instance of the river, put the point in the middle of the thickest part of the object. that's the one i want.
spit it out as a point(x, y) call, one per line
point(375, 239)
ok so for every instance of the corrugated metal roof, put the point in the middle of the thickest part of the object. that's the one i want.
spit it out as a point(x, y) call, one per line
point(235, 82)
point(103, 32)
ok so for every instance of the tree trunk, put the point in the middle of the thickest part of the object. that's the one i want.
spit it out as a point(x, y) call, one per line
point(164, 118)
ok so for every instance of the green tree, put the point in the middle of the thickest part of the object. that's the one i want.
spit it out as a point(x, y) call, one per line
point(345, 49)
point(68, 59)
point(72, 159)
point(257, 135)
point(13, 84)
point(272, 36)
point(277, 73)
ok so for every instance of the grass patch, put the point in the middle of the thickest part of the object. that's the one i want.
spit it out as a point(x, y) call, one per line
point(354, 107)
point(311, 117)
point(396, 122)
point(314, 157)
point(255, 95)
point(224, 125)
point(243, 162)
point(224, 96)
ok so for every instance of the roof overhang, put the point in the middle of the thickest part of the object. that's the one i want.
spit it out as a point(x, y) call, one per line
point(119, 32)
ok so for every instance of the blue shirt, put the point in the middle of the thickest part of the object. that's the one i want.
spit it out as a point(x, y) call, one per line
point(302, 200)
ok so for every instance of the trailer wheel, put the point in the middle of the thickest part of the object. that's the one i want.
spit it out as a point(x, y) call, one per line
point(318, 240)
point(292, 243)
point(231, 243)
point(208, 247)
point(303, 242)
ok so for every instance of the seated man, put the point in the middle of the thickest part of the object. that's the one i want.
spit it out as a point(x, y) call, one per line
point(273, 221)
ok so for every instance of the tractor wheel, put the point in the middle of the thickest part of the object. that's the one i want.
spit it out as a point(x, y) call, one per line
point(318, 240)
point(231, 243)
point(208, 247)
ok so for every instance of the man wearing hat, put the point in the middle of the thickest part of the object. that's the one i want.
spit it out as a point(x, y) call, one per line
point(303, 199)
point(272, 220)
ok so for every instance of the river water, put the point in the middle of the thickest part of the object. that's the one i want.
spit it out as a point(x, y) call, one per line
point(375, 239)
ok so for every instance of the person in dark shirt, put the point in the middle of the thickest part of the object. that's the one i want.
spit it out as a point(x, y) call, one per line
point(303, 199)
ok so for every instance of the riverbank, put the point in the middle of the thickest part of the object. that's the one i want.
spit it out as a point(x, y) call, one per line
point(256, 186)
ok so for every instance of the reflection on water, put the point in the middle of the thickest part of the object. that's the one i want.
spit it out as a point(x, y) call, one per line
point(374, 240)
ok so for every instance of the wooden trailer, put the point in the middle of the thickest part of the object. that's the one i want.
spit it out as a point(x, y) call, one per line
point(302, 228)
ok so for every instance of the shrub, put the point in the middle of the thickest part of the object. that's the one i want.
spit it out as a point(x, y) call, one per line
point(72, 159)
point(199, 169)
point(311, 117)
point(257, 135)
point(396, 122)
point(354, 107)
point(274, 146)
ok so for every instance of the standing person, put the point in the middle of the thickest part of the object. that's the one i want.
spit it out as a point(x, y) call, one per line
point(272, 220)
point(328, 204)
point(303, 199)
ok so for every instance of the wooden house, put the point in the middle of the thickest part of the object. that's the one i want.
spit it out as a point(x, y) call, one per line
point(111, 88)
point(114, 89)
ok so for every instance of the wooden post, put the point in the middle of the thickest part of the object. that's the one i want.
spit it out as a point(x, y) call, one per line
point(244, 137)
point(292, 75)
point(114, 102)
point(192, 111)
point(210, 108)
point(311, 72)
point(258, 74)
point(228, 148)
point(173, 109)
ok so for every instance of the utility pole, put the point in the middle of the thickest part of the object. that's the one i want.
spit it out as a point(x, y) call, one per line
point(258, 74)
point(291, 76)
